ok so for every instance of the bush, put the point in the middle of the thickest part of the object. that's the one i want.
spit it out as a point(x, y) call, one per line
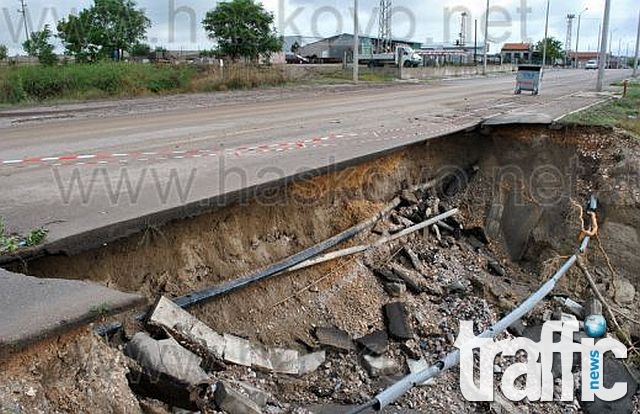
point(39, 83)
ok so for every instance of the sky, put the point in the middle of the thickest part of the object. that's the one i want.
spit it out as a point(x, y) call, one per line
point(177, 23)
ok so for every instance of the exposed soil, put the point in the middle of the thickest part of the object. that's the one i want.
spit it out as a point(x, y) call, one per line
point(518, 184)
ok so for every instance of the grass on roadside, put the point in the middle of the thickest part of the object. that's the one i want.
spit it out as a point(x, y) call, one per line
point(621, 113)
point(33, 84)
point(10, 243)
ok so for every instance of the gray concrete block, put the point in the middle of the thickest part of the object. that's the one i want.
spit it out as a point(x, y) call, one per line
point(234, 402)
point(237, 350)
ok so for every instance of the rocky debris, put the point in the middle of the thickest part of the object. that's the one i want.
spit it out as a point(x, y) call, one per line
point(311, 362)
point(415, 260)
point(496, 268)
point(380, 366)
point(336, 339)
point(234, 402)
point(397, 320)
point(411, 349)
point(457, 287)
point(395, 289)
point(414, 281)
point(625, 293)
point(409, 197)
point(376, 343)
point(167, 357)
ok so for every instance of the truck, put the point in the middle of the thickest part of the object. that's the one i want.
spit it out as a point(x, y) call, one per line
point(402, 56)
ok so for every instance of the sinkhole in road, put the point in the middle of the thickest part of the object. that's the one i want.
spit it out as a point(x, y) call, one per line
point(517, 185)
point(519, 191)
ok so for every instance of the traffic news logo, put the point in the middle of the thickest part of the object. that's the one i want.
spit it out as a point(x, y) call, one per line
point(537, 372)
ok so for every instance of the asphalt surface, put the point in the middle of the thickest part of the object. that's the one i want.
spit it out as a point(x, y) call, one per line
point(33, 308)
point(97, 172)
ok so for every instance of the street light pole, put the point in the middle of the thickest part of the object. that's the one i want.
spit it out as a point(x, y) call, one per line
point(635, 62)
point(486, 40)
point(603, 45)
point(546, 35)
point(577, 61)
point(356, 43)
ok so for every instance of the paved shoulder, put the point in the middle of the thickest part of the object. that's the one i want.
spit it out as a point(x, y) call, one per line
point(27, 316)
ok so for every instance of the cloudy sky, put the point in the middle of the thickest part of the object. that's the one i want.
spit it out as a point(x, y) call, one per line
point(176, 23)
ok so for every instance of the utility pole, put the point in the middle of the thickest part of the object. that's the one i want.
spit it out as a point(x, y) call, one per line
point(356, 43)
point(385, 27)
point(577, 60)
point(475, 46)
point(569, 41)
point(635, 62)
point(23, 11)
point(546, 35)
point(603, 45)
point(486, 40)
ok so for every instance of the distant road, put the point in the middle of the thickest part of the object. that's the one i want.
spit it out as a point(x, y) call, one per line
point(217, 144)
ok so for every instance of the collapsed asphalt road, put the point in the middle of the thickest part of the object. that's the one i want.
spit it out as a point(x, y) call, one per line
point(98, 178)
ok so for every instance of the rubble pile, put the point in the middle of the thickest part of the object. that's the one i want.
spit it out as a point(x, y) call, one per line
point(432, 279)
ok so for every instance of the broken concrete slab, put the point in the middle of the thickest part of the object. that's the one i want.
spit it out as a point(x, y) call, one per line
point(166, 314)
point(281, 361)
point(168, 357)
point(237, 350)
point(397, 320)
point(380, 366)
point(376, 343)
point(311, 362)
point(335, 338)
point(232, 401)
point(27, 318)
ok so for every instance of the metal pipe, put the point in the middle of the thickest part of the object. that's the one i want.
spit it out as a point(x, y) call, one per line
point(356, 43)
point(400, 388)
point(236, 284)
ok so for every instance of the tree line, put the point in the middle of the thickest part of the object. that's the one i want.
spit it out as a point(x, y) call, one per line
point(241, 29)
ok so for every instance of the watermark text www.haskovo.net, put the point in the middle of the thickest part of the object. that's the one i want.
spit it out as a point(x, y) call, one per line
point(537, 381)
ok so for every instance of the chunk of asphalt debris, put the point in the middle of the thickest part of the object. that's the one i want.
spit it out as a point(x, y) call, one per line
point(409, 197)
point(380, 366)
point(414, 280)
point(258, 396)
point(495, 268)
point(457, 287)
point(376, 343)
point(168, 357)
point(336, 339)
point(395, 290)
point(415, 260)
point(232, 401)
point(397, 320)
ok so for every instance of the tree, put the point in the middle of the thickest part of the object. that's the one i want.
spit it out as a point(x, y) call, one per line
point(295, 47)
point(554, 49)
point(140, 50)
point(242, 29)
point(38, 45)
point(104, 30)
point(4, 52)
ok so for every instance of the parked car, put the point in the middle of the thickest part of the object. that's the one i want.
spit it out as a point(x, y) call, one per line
point(295, 58)
point(592, 64)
